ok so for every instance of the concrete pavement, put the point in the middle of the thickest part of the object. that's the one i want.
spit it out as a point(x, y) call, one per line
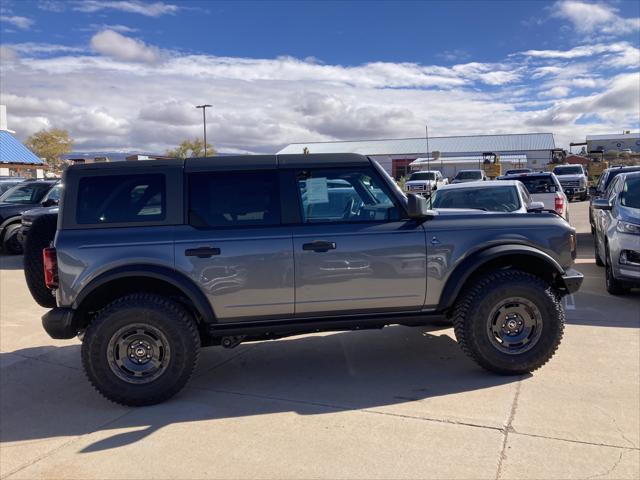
point(395, 403)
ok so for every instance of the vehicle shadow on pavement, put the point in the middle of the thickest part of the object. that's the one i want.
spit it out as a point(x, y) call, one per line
point(10, 262)
point(397, 369)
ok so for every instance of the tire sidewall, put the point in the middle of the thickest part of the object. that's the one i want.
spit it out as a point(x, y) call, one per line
point(95, 359)
point(477, 326)
point(11, 244)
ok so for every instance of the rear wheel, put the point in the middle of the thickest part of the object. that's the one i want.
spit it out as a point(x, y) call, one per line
point(141, 349)
point(10, 242)
point(510, 322)
point(39, 237)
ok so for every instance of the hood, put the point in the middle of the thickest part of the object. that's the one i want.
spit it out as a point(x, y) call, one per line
point(457, 211)
point(36, 212)
point(570, 178)
point(420, 182)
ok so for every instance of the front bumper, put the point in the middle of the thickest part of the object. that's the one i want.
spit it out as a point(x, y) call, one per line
point(60, 323)
point(571, 281)
point(573, 192)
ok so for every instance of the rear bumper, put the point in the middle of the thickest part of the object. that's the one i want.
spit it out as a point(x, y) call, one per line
point(60, 323)
point(571, 281)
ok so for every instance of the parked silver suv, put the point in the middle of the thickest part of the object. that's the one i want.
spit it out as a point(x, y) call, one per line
point(617, 233)
point(153, 260)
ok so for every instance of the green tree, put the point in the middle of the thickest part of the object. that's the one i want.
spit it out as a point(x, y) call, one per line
point(50, 145)
point(191, 148)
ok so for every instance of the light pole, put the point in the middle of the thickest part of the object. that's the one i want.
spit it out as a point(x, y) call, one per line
point(204, 124)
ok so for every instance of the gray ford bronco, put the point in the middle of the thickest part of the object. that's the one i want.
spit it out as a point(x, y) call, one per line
point(153, 260)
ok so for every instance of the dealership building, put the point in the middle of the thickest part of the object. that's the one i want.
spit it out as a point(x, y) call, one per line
point(614, 142)
point(532, 150)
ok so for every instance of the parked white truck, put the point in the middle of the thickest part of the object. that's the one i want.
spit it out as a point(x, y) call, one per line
point(425, 181)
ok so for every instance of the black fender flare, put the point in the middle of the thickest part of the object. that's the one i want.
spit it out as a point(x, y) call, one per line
point(172, 277)
point(469, 265)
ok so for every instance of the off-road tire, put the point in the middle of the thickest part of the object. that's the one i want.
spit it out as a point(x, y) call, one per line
point(471, 320)
point(39, 237)
point(170, 318)
point(10, 243)
point(613, 286)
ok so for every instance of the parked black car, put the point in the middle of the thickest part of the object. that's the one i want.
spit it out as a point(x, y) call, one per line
point(13, 203)
point(49, 206)
point(603, 182)
point(8, 182)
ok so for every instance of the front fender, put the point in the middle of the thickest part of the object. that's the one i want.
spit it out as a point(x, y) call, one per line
point(471, 264)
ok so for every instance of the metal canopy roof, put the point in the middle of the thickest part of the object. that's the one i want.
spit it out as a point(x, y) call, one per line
point(613, 136)
point(466, 159)
point(407, 146)
point(12, 151)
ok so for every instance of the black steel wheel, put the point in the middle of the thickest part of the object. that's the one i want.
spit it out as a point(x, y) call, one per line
point(139, 353)
point(509, 321)
point(140, 349)
point(514, 325)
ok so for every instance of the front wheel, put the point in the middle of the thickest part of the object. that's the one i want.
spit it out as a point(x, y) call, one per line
point(11, 244)
point(614, 286)
point(510, 322)
point(140, 349)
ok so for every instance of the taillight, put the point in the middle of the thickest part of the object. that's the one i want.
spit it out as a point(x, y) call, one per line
point(559, 204)
point(50, 263)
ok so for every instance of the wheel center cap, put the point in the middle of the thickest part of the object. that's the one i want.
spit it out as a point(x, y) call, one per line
point(512, 325)
point(141, 352)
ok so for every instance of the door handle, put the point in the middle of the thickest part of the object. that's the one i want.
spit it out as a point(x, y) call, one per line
point(202, 252)
point(319, 246)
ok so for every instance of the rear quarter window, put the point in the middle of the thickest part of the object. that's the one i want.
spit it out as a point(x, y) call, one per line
point(108, 199)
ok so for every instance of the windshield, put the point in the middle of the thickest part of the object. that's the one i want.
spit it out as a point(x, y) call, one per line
point(568, 171)
point(27, 194)
point(472, 174)
point(4, 186)
point(54, 194)
point(493, 199)
point(517, 170)
point(422, 176)
point(614, 173)
point(542, 184)
point(631, 193)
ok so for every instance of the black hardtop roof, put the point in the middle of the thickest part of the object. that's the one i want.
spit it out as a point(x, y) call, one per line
point(233, 162)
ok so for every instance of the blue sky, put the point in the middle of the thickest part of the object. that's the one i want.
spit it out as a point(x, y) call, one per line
point(125, 74)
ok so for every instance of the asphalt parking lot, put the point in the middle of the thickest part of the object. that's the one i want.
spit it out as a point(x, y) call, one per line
point(395, 403)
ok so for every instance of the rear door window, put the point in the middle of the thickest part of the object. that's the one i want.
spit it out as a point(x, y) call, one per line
point(542, 184)
point(121, 199)
point(234, 199)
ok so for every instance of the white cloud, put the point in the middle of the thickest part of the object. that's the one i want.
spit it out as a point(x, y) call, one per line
point(114, 45)
point(135, 96)
point(22, 23)
point(116, 28)
point(33, 48)
point(154, 9)
point(555, 92)
point(595, 18)
point(7, 54)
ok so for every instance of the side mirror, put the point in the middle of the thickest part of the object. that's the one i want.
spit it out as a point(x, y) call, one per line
point(535, 206)
point(417, 206)
point(50, 203)
point(602, 204)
